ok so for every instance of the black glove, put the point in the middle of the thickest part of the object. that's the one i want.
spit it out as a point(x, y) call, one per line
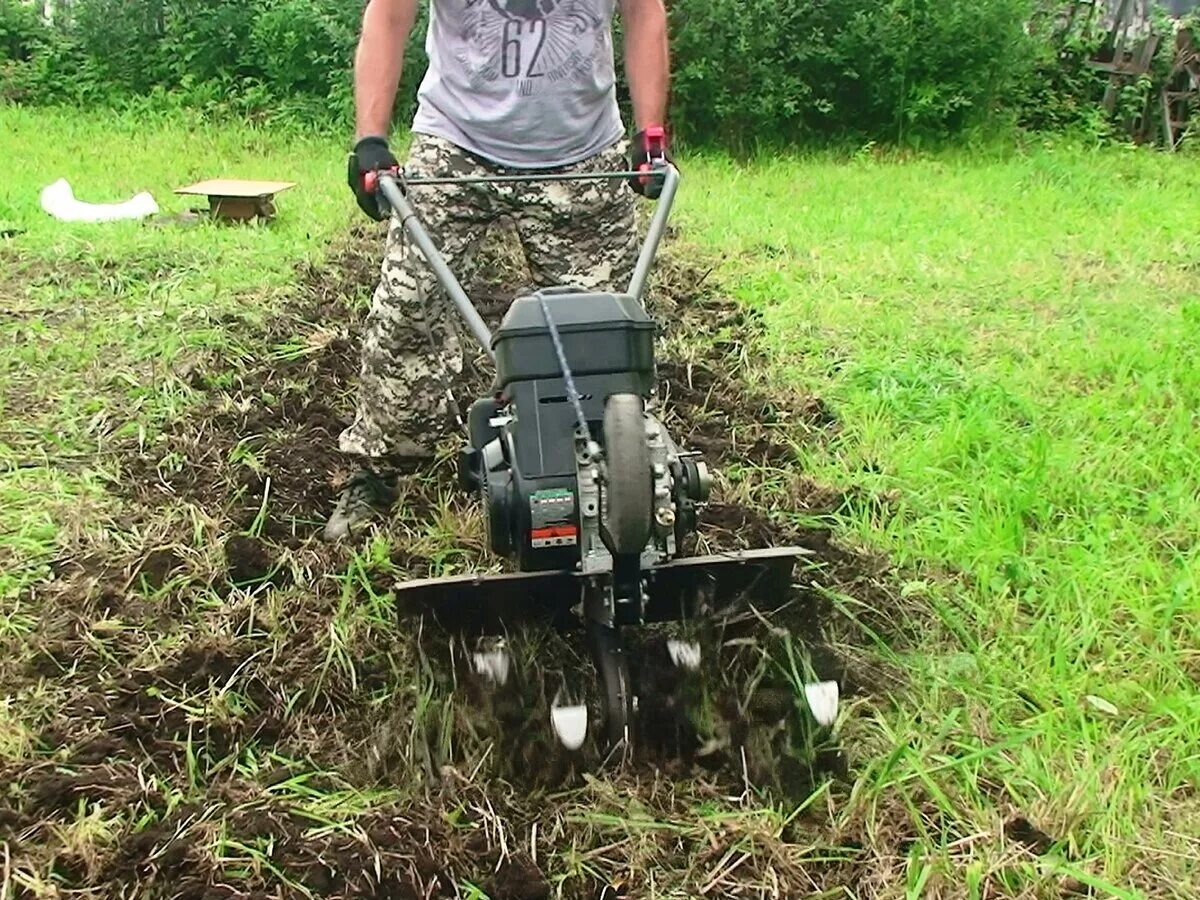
point(649, 152)
point(371, 154)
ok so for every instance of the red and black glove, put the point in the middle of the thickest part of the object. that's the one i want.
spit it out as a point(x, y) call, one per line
point(371, 154)
point(649, 152)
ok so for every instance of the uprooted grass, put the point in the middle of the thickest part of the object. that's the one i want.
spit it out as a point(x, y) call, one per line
point(206, 697)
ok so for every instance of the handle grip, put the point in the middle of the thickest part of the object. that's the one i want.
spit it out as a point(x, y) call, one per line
point(371, 178)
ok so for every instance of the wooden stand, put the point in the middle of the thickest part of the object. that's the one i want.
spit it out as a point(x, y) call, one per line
point(1181, 93)
point(237, 200)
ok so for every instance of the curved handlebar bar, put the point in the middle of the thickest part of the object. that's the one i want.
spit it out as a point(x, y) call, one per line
point(371, 179)
point(388, 183)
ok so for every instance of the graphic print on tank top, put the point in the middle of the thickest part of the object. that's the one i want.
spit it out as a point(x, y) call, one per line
point(534, 43)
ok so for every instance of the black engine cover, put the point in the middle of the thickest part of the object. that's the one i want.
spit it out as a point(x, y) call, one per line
point(602, 334)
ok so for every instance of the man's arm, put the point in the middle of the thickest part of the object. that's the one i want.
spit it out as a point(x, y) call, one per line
point(379, 61)
point(647, 60)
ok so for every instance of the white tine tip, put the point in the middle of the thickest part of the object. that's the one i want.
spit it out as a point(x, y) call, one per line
point(493, 665)
point(684, 654)
point(822, 697)
point(570, 725)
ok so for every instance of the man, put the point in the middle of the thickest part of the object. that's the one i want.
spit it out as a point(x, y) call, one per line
point(512, 86)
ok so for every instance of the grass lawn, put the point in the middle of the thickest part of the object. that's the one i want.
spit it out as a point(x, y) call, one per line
point(100, 321)
point(1007, 342)
point(1010, 345)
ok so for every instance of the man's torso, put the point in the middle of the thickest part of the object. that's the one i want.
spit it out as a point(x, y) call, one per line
point(526, 83)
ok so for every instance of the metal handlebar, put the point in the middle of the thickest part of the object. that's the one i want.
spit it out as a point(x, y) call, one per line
point(408, 218)
point(658, 227)
point(395, 197)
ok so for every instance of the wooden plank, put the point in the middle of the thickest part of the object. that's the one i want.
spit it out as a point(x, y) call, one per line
point(1170, 132)
point(1112, 68)
point(235, 187)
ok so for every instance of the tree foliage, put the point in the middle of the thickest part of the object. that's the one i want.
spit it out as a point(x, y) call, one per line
point(745, 71)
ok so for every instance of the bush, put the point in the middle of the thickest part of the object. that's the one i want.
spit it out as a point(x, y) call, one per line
point(208, 41)
point(784, 69)
point(299, 47)
point(21, 32)
point(39, 64)
point(22, 36)
point(745, 71)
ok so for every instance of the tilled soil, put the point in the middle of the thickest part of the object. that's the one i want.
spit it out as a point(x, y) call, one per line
point(217, 704)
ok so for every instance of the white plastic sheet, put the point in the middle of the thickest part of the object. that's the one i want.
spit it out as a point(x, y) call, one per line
point(59, 201)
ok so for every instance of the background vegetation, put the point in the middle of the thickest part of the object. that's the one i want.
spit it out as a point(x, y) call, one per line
point(746, 71)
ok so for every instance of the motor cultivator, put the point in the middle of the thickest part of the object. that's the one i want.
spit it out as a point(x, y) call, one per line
point(585, 492)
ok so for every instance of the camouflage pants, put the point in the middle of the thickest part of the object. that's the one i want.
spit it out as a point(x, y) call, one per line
point(578, 233)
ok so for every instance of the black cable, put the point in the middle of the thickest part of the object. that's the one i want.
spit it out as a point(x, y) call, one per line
point(566, 369)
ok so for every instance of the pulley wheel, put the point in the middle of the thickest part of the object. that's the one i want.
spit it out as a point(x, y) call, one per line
point(630, 485)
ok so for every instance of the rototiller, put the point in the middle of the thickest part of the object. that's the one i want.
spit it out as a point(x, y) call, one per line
point(585, 492)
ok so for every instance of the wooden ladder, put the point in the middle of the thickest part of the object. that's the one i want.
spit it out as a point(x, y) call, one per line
point(1181, 90)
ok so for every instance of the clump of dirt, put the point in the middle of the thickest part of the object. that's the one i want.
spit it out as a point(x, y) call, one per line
point(159, 566)
point(1020, 830)
point(240, 710)
point(249, 561)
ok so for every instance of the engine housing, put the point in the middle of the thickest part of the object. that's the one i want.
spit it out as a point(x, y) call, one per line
point(544, 497)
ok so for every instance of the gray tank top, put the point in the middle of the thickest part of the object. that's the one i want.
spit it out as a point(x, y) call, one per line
point(524, 83)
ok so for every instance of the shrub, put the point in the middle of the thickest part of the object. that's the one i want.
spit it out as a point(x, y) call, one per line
point(21, 31)
point(298, 47)
point(782, 69)
point(745, 71)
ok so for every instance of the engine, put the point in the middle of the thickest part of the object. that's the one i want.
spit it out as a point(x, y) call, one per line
point(553, 502)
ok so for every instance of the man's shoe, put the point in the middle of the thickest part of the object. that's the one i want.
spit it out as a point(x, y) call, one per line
point(362, 499)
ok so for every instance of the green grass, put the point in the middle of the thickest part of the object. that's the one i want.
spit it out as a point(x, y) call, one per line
point(102, 323)
point(1008, 341)
point(1010, 345)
